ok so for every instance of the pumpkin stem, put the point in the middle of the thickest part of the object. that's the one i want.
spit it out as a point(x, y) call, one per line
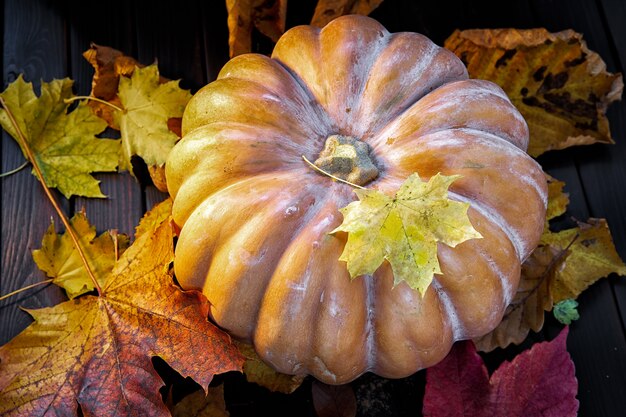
point(348, 159)
point(328, 174)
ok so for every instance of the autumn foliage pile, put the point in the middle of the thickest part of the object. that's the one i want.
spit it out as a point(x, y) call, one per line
point(124, 307)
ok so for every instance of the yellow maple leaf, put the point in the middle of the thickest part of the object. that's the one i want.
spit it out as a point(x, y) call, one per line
point(64, 144)
point(404, 229)
point(560, 86)
point(60, 260)
point(147, 105)
point(160, 213)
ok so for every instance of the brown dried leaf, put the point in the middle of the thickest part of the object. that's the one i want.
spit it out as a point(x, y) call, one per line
point(327, 10)
point(258, 372)
point(333, 400)
point(96, 351)
point(268, 16)
point(533, 297)
point(593, 256)
point(560, 86)
point(199, 404)
point(108, 64)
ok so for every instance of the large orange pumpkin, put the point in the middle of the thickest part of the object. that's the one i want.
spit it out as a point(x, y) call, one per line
point(256, 218)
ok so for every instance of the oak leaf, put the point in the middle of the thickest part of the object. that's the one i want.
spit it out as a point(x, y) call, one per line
point(268, 17)
point(327, 10)
point(64, 144)
point(560, 86)
point(593, 256)
point(95, 351)
point(539, 382)
point(258, 372)
point(60, 260)
point(147, 106)
point(404, 229)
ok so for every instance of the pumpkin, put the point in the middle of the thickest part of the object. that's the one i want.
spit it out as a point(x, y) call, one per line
point(255, 218)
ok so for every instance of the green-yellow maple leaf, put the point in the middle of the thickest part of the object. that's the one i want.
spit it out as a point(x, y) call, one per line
point(60, 260)
point(64, 144)
point(404, 229)
point(147, 106)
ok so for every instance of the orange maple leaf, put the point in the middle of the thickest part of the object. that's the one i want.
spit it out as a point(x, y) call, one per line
point(95, 351)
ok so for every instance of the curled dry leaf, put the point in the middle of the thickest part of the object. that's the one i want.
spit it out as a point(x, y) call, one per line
point(267, 16)
point(109, 64)
point(560, 86)
point(327, 10)
point(96, 351)
point(258, 372)
point(539, 382)
point(60, 260)
point(64, 144)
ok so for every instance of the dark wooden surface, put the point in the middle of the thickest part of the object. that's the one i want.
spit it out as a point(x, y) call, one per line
point(45, 39)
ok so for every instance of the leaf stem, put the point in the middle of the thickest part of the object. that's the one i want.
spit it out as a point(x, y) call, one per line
point(15, 170)
point(28, 287)
point(55, 204)
point(99, 100)
point(315, 167)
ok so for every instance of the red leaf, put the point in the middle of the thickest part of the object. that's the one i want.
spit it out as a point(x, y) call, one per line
point(537, 383)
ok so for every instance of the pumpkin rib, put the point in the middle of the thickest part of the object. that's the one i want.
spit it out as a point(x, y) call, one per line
point(334, 64)
point(410, 328)
point(476, 104)
point(493, 171)
point(298, 269)
point(244, 101)
point(408, 68)
point(224, 151)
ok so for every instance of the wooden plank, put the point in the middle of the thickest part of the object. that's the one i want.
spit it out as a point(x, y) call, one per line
point(597, 342)
point(215, 38)
point(34, 45)
point(178, 52)
point(614, 14)
point(124, 207)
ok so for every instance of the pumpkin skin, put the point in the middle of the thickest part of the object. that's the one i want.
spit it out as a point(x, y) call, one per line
point(255, 218)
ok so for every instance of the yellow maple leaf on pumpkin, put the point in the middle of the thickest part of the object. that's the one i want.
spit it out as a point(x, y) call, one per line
point(404, 229)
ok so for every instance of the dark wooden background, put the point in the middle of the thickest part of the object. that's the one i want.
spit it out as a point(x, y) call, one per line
point(45, 39)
